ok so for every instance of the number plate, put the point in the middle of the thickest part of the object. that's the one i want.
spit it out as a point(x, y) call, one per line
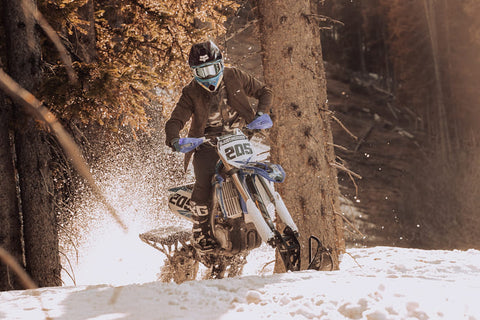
point(236, 149)
point(179, 202)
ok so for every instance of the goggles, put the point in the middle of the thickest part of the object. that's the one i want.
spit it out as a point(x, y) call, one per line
point(209, 70)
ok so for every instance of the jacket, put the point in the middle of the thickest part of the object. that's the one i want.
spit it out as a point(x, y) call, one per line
point(194, 101)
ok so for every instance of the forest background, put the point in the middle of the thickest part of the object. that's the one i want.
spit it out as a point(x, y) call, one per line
point(402, 79)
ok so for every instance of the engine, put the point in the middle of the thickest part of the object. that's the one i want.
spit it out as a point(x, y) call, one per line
point(235, 236)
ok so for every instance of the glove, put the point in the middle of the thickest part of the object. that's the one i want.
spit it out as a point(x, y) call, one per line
point(175, 145)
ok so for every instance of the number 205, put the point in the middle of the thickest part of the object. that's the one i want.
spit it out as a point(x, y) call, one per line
point(238, 150)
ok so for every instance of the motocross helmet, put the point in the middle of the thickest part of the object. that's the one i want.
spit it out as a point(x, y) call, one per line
point(206, 61)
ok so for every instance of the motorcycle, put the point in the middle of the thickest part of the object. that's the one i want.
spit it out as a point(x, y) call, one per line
point(244, 204)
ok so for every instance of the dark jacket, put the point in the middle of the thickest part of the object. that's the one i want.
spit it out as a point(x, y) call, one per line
point(194, 101)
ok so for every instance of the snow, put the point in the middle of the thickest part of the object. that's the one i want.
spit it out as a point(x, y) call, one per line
point(373, 283)
point(115, 275)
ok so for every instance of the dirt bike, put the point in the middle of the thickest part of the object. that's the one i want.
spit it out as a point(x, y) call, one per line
point(244, 204)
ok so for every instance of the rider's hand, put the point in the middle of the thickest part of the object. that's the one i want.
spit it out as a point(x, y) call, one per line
point(251, 132)
point(175, 145)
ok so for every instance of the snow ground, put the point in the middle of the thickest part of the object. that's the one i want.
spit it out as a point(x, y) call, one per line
point(373, 283)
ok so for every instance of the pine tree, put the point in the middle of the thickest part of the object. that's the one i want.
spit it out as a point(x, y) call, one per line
point(301, 137)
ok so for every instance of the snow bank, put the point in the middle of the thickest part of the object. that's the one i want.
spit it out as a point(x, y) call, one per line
point(373, 283)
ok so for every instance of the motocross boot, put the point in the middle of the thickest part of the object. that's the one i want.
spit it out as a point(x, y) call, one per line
point(201, 230)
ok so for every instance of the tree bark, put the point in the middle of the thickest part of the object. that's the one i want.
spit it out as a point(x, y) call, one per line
point(10, 221)
point(10, 224)
point(33, 151)
point(85, 43)
point(301, 140)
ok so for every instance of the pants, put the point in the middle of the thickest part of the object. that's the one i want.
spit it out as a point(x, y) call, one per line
point(204, 162)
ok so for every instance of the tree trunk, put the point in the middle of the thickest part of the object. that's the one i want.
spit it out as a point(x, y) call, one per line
point(85, 43)
point(301, 140)
point(10, 224)
point(33, 152)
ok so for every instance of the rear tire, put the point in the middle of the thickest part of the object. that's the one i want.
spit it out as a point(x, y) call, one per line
point(181, 266)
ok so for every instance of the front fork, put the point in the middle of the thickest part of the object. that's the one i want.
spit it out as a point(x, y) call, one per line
point(287, 244)
point(280, 206)
point(253, 212)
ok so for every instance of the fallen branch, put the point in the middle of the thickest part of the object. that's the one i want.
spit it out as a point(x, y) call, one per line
point(25, 98)
point(358, 264)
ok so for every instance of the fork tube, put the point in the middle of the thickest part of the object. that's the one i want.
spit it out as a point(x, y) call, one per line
point(280, 206)
point(254, 213)
point(267, 189)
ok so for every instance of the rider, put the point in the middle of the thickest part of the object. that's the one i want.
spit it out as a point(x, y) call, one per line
point(217, 101)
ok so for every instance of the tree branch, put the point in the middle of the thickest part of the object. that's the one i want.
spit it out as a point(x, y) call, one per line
point(343, 127)
point(341, 167)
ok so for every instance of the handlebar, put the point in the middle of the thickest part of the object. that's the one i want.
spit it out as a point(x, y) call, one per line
point(188, 144)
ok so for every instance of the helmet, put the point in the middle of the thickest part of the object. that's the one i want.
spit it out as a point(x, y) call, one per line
point(206, 62)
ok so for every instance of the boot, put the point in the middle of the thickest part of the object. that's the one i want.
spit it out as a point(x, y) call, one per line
point(201, 230)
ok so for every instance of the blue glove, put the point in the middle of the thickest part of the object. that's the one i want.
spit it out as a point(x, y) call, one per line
point(175, 145)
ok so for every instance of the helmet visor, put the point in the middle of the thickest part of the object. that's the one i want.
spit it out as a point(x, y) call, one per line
point(208, 71)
